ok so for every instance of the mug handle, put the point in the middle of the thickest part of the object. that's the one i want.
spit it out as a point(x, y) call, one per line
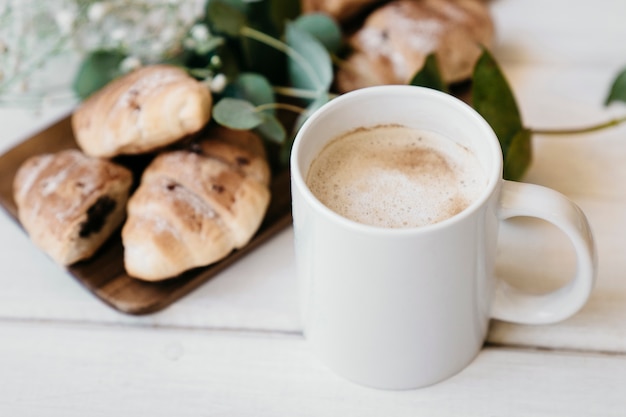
point(514, 305)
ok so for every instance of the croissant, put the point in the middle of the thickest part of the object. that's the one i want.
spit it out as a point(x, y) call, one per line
point(341, 10)
point(144, 110)
point(395, 39)
point(70, 203)
point(194, 206)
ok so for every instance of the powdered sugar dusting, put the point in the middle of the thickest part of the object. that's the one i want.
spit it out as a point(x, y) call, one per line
point(32, 173)
point(153, 80)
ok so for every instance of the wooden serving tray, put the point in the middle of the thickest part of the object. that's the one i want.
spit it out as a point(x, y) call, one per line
point(104, 273)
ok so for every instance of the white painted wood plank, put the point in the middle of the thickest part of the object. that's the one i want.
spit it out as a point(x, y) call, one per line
point(101, 371)
point(587, 33)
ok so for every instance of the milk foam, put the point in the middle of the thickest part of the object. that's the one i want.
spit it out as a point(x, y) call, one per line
point(396, 177)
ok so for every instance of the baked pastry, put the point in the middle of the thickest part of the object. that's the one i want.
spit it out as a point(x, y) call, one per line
point(70, 203)
point(341, 10)
point(142, 111)
point(194, 206)
point(395, 39)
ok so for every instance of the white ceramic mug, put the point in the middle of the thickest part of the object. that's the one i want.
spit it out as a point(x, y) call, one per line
point(406, 308)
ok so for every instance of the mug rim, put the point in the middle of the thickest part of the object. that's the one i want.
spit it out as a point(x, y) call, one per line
point(494, 176)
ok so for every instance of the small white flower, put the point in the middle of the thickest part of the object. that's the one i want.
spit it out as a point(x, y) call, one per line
point(65, 21)
point(218, 83)
point(129, 64)
point(189, 43)
point(199, 32)
point(118, 34)
point(97, 10)
point(215, 61)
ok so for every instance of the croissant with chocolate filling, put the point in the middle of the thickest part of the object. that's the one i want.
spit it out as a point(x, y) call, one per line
point(193, 207)
point(70, 203)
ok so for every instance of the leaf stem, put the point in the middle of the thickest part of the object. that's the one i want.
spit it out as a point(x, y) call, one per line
point(283, 106)
point(283, 47)
point(587, 129)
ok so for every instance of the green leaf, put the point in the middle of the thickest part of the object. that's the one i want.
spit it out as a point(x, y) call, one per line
point(236, 114)
point(323, 28)
point(97, 70)
point(309, 64)
point(618, 89)
point(253, 88)
point(493, 98)
point(226, 16)
point(519, 156)
point(271, 129)
point(429, 75)
point(282, 11)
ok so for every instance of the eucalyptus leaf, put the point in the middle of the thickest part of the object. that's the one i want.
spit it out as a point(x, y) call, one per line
point(282, 11)
point(429, 75)
point(271, 129)
point(618, 89)
point(254, 88)
point(236, 114)
point(493, 98)
point(309, 64)
point(519, 156)
point(97, 70)
point(226, 17)
point(323, 28)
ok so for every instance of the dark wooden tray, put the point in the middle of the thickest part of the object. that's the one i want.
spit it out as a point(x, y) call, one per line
point(104, 273)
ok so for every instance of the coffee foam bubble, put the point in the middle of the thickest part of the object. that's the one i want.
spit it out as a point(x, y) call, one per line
point(395, 177)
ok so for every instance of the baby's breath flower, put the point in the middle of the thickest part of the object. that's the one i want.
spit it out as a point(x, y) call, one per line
point(218, 83)
point(189, 43)
point(97, 11)
point(130, 63)
point(65, 21)
point(118, 34)
point(199, 32)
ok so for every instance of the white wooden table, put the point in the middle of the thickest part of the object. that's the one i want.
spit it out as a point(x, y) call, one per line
point(234, 347)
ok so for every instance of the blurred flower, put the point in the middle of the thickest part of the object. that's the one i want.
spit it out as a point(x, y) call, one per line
point(199, 32)
point(65, 21)
point(97, 11)
point(130, 63)
point(218, 83)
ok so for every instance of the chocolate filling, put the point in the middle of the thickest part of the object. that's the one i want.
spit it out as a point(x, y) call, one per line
point(96, 216)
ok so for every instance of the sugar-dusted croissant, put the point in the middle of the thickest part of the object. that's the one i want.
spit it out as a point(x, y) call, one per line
point(70, 203)
point(142, 111)
point(193, 207)
point(395, 39)
point(341, 10)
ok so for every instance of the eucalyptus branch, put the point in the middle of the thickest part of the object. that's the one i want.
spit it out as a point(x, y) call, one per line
point(282, 106)
point(299, 92)
point(574, 131)
point(286, 49)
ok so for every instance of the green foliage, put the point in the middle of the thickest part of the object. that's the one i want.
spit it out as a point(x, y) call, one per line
point(97, 70)
point(429, 75)
point(618, 89)
point(310, 66)
point(236, 114)
point(322, 28)
point(493, 98)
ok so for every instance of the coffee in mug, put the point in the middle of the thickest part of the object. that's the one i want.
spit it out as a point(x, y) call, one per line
point(395, 176)
point(405, 307)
